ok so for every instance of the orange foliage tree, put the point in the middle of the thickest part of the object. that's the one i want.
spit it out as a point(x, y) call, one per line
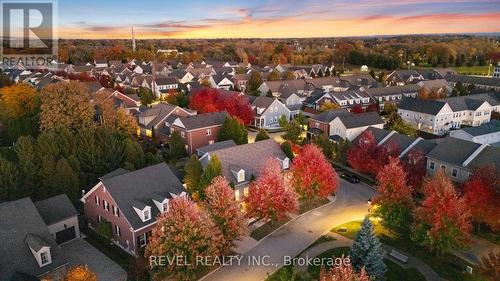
point(80, 273)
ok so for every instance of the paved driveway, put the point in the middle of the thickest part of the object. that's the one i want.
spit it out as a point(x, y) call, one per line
point(80, 252)
point(290, 240)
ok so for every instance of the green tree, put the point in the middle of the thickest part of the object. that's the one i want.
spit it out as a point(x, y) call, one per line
point(366, 251)
point(273, 76)
point(146, 96)
point(176, 147)
point(8, 180)
point(327, 146)
point(104, 229)
point(28, 166)
point(283, 121)
point(286, 147)
point(212, 170)
point(233, 129)
point(255, 81)
point(293, 132)
point(261, 135)
point(397, 124)
point(134, 154)
point(192, 176)
point(340, 151)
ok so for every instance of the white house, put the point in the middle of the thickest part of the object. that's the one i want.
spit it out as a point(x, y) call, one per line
point(268, 111)
point(488, 133)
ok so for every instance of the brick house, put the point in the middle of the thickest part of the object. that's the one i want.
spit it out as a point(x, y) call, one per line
point(199, 130)
point(156, 121)
point(130, 202)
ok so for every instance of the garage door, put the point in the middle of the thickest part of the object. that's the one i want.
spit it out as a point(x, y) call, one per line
point(65, 235)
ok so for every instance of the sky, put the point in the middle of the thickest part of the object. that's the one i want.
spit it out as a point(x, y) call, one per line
point(112, 19)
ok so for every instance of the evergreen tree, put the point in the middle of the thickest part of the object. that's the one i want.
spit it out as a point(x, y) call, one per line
point(212, 170)
point(233, 129)
point(261, 135)
point(27, 164)
point(286, 147)
point(176, 146)
point(146, 96)
point(8, 180)
point(192, 176)
point(366, 251)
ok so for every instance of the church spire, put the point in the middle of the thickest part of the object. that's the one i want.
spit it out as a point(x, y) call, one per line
point(133, 39)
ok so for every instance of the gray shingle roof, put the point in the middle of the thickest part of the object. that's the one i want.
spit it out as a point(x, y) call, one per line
point(140, 186)
point(330, 115)
point(463, 103)
point(476, 80)
point(488, 128)
point(55, 209)
point(453, 151)
point(20, 224)
point(490, 155)
point(425, 106)
point(394, 90)
point(216, 146)
point(361, 120)
point(203, 120)
point(251, 157)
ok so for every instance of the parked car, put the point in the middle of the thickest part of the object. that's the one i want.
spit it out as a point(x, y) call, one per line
point(350, 177)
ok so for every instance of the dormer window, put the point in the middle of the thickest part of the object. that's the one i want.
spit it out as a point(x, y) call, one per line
point(44, 258)
point(147, 214)
point(241, 175)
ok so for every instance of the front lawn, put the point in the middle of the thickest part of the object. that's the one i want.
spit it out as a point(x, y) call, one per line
point(447, 266)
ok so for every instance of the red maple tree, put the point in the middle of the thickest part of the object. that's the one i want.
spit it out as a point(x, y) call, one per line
point(214, 100)
point(312, 174)
point(187, 231)
point(394, 199)
point(443, 220)
point(269, 197)
point(363, 152)
point(357, 109)
point(225, 212)
point(482, 198)
point(415, 168)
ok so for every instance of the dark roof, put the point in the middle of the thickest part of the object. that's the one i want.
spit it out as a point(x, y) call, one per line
point(21, 225)
point(93, 86)
point(216, 146)
point(330, 115)
point(379, 134)
point(453, 151)
point(263, 102)
point(141, 186)
point(251, 157)
point(400, 140)
point(463, 103)
point(160, 111)
point(425, 106)
point(166, 80)
point(490, 155)
point(361, 119)
point(488, 128)
point(394, 90)
point(476, 80)
point(56, 209)
point(425, 145)
point(203, 120)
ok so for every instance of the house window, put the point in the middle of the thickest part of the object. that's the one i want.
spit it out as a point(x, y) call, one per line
point(44, 258)
point(116, 211)
point(105, 205)
point(142, 240)
point(241, 175)
point(443, 167)
point(165, 207)
point(99, 218)
point(183, 134)
point(118, 230)
point(209, 132)
point(431, 165)
point(147, 215)
point(316, 125)
point(97, 200)
point(454, 172)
